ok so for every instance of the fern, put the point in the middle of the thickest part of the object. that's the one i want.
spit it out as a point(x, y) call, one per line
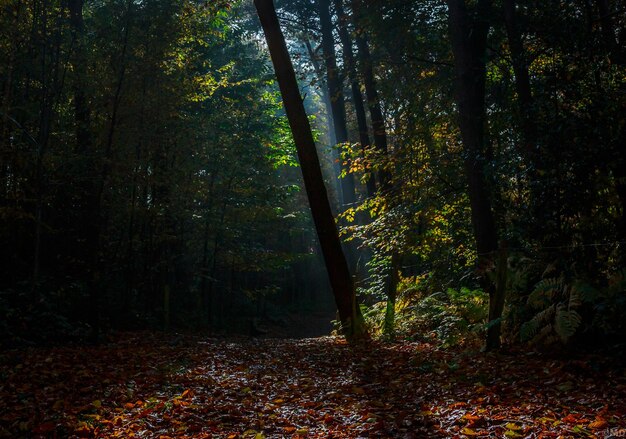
point(558, 303)
point(566, 322)
point(584, 293)
point(545, 291)
point(537, 324)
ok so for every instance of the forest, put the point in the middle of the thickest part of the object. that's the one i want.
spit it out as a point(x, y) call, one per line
point(312, 218)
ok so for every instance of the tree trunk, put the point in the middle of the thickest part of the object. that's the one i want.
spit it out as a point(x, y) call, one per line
point(329, 112)
point(89, 203)
point(336, 264)
point(522, 87)
point(337, 104)
point(373, 102)
point(357, 96)
point(469, 44)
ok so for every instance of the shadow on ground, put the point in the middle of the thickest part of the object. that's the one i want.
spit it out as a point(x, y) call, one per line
point(163, 386)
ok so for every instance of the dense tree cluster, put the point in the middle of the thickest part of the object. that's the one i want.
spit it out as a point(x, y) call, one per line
point(488, 138)
point(146, 172)
point(478, 178)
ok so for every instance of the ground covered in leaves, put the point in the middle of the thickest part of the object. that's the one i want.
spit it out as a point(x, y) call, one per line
point(147, 385)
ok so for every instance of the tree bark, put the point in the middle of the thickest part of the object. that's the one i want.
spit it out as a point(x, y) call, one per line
point(336, 264)
point(373, 101)
point(89, 199)
point(522, 87)
point(357, 96)
point(337, 104)
point(469, 43)
point(329, 112)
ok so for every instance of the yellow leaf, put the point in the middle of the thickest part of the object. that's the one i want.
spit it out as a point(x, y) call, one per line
point(512, 426)
point(469, 432)
point(97, 403)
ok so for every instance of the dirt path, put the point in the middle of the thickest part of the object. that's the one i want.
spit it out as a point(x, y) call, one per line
point(156, 386)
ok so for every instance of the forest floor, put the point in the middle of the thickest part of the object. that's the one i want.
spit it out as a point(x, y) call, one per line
point(151, 385)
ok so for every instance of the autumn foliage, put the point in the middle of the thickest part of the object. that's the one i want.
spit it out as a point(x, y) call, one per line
point(147, 385)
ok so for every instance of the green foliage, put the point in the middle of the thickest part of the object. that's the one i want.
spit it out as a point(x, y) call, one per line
point(183, 176)
point(190, 173)
point(562, 309)
point(447, 316)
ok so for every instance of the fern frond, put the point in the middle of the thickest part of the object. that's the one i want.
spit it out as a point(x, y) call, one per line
point(582, 292)
point(546, 336)
point(537, 323)
point(544, 291)
point(566, 322)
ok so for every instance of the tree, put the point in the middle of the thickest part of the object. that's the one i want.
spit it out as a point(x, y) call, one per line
point(336, 264)
point(468, 31)
point(336, 96)
point(355, 87)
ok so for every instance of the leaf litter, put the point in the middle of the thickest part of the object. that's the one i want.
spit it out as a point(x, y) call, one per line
point(152, 385)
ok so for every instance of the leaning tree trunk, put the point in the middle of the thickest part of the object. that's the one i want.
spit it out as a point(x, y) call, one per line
point(336, 264)
point(469, 44)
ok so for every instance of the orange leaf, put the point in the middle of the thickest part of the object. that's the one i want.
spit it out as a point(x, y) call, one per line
point(598, 424)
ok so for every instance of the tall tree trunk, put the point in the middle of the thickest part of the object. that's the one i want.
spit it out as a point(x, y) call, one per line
point(371, 91)
point(329, 112)
point(89, 231)
point(528, 120)
point(204, 268)
point(336, 264)
point(522, 87)
point(337, 103)
point(49, 79)
point(469, 43)
point(357, 96)
point(382, 147)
